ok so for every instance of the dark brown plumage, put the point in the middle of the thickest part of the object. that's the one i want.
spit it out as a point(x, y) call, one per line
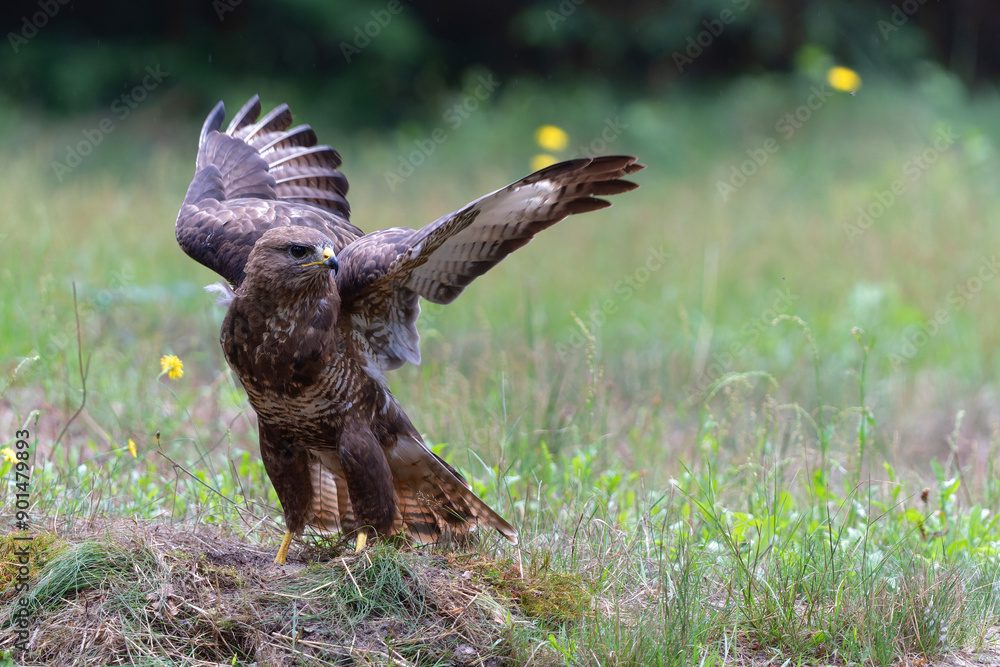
point(318, 312)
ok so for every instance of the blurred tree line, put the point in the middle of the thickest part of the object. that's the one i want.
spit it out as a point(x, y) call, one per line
point(374, 60)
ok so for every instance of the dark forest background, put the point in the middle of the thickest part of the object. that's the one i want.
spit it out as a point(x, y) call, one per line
point(379, 62)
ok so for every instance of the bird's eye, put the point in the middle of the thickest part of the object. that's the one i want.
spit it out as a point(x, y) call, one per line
point(298, 251)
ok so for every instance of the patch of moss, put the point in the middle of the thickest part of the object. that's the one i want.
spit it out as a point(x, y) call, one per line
point(555, 597)
point(542, 593)
point(221, 577)
point(43, 548)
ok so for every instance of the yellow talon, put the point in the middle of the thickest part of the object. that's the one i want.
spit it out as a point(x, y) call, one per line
point(362, 540)
point(283, 549)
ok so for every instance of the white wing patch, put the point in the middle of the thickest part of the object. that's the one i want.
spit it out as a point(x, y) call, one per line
point(224, 294)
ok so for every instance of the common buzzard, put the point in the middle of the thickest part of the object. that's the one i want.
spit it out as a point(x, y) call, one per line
point(318, 311)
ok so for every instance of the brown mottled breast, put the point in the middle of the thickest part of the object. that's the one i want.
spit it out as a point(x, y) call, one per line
point(302, 373)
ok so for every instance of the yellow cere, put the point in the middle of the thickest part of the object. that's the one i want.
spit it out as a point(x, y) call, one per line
point(327, 254)
point(131, 448)
point(172, 366)
point(541, 161)
point(843, 79)
point(551, 138)
point(8, 454)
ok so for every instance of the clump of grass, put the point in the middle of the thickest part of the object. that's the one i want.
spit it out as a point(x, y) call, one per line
point(93, 592)
point(380, 582)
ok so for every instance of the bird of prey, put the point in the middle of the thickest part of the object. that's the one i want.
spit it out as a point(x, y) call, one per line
point(318, 311)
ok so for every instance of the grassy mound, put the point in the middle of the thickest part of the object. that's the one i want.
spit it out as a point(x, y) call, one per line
point(168, 594)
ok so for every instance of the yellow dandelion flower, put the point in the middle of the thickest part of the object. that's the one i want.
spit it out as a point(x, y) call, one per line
point(131, 448)
point(843, 79)
point(8, 454)
point(551, 138)
point(541, 161)
point(172, 366)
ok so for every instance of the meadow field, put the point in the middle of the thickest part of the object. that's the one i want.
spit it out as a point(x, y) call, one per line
point(747, 415)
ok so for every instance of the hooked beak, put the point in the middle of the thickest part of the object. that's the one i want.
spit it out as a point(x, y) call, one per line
point(329, 260)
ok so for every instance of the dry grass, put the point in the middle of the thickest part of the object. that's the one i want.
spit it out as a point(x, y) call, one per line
point(128, 593)
point(121, 592)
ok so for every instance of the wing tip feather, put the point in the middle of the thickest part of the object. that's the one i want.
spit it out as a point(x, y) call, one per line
point(584, 205)
point(213, 121)
point(248, 113)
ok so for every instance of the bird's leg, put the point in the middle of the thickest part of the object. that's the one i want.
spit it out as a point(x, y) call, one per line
point(283, 549)
point(369, 482)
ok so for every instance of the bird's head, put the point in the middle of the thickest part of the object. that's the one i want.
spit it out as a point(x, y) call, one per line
point(295, 258)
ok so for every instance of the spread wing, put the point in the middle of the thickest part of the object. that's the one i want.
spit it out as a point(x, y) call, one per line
point(254, 176)
point(382, 275)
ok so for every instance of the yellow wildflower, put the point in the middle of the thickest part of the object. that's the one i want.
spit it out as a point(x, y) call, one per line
point(551, 138)
point(8, 454)
point(541, 161)
point(131, 448)
point(843, 79)
point(172, 366)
